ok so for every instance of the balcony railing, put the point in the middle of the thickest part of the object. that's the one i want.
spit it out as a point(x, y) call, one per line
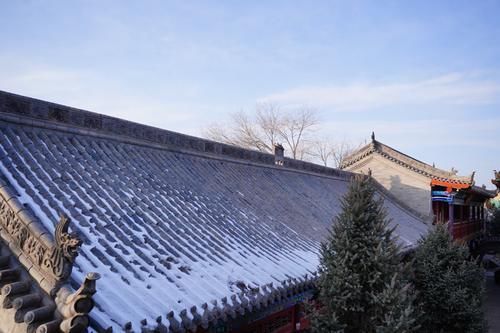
point(463, 229)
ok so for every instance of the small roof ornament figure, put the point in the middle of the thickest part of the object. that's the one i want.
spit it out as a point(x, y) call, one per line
point(496, 181)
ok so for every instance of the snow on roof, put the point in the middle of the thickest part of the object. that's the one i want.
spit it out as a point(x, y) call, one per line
point(169, 229)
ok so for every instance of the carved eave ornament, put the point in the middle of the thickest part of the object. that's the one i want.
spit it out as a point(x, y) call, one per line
point(496, 181)
point(75, 306)
point(52, 259)
point(64, 252)
point(49, 261)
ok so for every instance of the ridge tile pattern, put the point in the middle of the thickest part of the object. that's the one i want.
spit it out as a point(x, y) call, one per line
point(167, 230)
point(404, 160)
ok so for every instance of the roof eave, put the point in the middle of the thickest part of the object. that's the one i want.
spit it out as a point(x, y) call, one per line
point(403, 159)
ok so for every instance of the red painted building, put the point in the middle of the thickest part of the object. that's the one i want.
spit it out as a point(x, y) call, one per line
point(461, 205)
point(437, 195)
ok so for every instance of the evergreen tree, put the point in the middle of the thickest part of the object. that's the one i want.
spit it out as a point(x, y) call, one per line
point(361, 285)
point(449, 286)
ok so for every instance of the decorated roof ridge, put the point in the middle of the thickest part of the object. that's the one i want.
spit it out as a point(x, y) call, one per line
point(38, 113)
point(38, 288)
point(405, 160)
point(238, 304)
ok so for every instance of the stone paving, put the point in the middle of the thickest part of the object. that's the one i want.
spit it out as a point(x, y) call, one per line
point(492, 304)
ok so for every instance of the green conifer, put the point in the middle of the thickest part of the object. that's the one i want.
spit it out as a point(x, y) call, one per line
point(361, 285)
point(449, 286)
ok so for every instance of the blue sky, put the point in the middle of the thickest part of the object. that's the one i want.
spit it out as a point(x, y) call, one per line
point(424, 75)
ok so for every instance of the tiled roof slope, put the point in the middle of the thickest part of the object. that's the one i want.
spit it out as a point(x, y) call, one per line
point(376, 147)
point(483, 191)
point(167, 226)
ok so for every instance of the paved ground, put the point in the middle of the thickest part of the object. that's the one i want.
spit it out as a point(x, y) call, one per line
point(492, 304)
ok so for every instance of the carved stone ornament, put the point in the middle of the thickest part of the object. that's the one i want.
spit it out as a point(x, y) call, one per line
point(77, 305)
point(63, 253)
point(496, 181)
point(53, 258)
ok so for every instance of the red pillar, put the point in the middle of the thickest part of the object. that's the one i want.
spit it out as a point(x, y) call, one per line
point(451, 219)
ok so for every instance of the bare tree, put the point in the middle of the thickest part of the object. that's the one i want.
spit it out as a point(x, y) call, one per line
point(327, 151)
point(270, 125)
point(270, 121)
point(297, 128)
point(241, 131)
point(342, 150)
point(323, 150)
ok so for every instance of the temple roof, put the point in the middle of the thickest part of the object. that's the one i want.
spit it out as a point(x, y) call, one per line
point(482, 191)
point(391, 154)
point(171, 221)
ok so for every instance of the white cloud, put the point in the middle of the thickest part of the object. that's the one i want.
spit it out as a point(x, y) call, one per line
point(450, 89)
point(91, 91)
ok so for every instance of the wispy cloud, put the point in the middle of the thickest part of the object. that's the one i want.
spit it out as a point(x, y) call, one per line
point(91, 91)
point(450, 89)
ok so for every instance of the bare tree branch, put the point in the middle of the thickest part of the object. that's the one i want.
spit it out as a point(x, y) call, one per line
point(297, 127)
point(323, 150)
point(342, 150)
point(245, 133)
point(269, 125)
point(269, 121)
point(331, 153)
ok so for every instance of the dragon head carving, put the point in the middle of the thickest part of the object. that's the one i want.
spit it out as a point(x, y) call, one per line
point(68, 243)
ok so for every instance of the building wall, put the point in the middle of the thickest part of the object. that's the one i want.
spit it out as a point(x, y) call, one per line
point(410, 187)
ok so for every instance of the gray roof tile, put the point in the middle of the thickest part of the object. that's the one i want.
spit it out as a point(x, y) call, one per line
point(170, 230)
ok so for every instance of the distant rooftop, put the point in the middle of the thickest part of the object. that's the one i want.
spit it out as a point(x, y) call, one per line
point(405, 160)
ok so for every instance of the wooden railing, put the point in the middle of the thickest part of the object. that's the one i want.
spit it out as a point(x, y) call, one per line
point(462, 230)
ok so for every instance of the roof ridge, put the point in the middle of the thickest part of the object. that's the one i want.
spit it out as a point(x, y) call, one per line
point(39, 113)
point(431, 170)
point(401, 158)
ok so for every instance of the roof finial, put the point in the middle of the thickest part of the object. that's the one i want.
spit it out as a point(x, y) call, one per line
point(373, 136)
